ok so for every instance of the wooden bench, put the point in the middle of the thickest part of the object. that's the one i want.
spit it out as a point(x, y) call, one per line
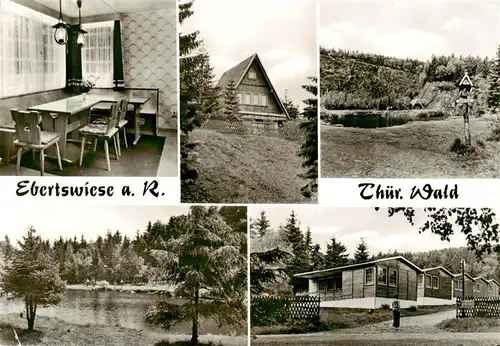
point(21, 102)
point(149, 110)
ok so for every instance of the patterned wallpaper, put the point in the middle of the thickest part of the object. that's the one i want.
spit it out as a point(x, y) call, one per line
point(149, 44)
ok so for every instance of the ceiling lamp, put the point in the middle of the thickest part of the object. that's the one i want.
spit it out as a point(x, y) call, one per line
point(80, 40)
point(61, 32)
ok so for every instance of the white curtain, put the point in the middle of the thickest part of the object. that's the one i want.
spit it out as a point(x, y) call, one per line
point(97, 54)
point(30, 59)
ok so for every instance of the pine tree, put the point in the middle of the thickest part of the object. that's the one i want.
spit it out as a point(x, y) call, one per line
point(291, 108)
point(493, 99)
point(31, 275)
point(198, 99)
point(336, 254)
point(231, 103)
point(309, 149)
point(261, 226)
point(317, 258)
point(361, 255)
point(204, 261)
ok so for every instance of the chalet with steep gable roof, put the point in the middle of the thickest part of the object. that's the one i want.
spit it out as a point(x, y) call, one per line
point(259, 101)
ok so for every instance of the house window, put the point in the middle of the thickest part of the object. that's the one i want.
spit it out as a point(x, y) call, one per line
point(252, 74)
point(255, 99)
point(97, 54)
point(322, 285)
point(435, 282)
point(382, 276)
point(478, 288)
point(369, 276)
point(30, 59)
point(428, 281)
point(458, 285)
point(240, 98)
point(393, 277)
point(247, 99)
point(263, 100)
point(420, 281)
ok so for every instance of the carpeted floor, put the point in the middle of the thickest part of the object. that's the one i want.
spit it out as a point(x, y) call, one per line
point(141, 160)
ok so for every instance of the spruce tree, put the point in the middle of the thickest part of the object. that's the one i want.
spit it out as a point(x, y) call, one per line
point(317, 258)
point(231, 103)
point(309, 148)
point(261, 226)
point(361, 255)
point(336, 254)
point(494, 82)
point(291, 108)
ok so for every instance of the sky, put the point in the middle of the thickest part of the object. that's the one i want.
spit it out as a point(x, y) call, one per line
point(75, 220)
point(349, 225)
point(415, 29)
point(281, 32)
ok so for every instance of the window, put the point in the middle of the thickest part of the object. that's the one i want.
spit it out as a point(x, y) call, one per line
point(252, 74)
point(97, 54)
point(458, 285)
point(255, 99)
point(421, 280)
point(30, 59)
point(263, 100)
point(369, 276)
point(478, 288)
point(435, 282)
point(322, 285)
point(246, 98)
point(240, 98)
point(393, 277)
point(382, 276)
point(428, 281)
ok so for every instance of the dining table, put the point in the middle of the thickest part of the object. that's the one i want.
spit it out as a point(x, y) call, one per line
point(67, 115)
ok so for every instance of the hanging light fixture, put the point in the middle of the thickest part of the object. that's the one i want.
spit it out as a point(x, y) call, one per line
point(61, 32)
point(80, 40)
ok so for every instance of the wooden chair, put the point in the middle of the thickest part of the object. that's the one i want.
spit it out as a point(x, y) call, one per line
point(29, 136)
point(97, 131)
point(121, 123)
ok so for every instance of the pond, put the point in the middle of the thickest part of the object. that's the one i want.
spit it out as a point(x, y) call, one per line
point(376, 119)
point(125, 309)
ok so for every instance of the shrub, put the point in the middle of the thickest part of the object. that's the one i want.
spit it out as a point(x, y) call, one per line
point(385, 307)
point(412, 308)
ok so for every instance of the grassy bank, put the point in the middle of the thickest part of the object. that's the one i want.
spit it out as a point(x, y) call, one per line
point(471, 325)
point(340, 318)
point(248, 168)
point(51, 331)
point(123, 288)
point(418, 149)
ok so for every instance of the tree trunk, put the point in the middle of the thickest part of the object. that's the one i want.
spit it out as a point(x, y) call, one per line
point(30, 313)
point(194, 333)
point(466, 126)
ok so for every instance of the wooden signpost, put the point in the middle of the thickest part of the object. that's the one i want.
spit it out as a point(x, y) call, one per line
point(464, 89)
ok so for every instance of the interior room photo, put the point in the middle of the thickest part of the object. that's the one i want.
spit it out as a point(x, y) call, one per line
point(88, 88)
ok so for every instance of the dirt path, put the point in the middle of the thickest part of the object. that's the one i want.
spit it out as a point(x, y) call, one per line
point(414, 330)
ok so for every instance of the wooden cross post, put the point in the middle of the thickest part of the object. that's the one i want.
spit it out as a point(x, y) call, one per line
point(464, 88)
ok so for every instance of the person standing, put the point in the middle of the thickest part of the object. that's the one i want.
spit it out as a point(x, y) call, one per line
point(396, 313)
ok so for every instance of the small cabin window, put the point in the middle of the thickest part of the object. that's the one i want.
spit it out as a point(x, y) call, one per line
point(322, 285)
point(382, 276)
point(240, 98)
point(369, 276)
point(263, 100)
point(435, 282)
point(458, 285)
point(247, 99)
point(255, 99)
point(252, 74)
point(428, 281)
point(393, 277)
point(478, 288)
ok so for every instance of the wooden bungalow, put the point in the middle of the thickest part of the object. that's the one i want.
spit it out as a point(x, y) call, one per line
point(259, 101)
point(435, 287)
point(365, 285)
point(494, 288)
point(481, 287)
point(457, 285)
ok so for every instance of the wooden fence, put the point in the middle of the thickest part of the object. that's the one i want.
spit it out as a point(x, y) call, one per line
point(281, 310)
point(290, 130)
point(478, 307)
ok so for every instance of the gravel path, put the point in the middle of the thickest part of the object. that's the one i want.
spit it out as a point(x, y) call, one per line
point(415, 330)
